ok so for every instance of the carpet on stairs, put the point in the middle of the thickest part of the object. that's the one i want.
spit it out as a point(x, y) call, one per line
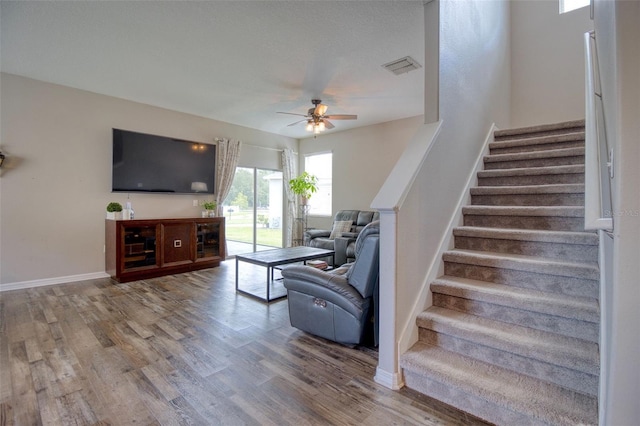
point(512, 336)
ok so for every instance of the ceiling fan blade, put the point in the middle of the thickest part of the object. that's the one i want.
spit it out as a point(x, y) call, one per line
point(328, 124)
point(342, 117)
point(320, 109)
point(290, 113)
point(294, 123)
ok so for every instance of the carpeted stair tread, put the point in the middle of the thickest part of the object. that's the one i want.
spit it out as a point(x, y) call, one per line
point(526, 195)
point(565, 127)
point(564, 237)
point(530, 316)
point(531, 155)
point(518, 175)
point(558, 245)
point(539, 143)
point(557, 218)
point(582, 308)
point(503, 394)
point(561, 211)
point(544, 346)
point(523, 263)
point(533, 171)
point(537, 140)
point(575, 188)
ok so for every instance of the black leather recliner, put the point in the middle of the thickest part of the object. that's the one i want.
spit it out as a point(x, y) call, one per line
point(339, 305)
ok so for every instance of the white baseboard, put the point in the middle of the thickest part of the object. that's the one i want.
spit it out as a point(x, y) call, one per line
point(393, 381)
point(52, 281)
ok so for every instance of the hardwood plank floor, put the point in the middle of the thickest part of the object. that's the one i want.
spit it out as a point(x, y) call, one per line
point(185, 350)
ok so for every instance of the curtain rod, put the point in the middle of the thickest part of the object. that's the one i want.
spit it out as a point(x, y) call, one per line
point(267, 148)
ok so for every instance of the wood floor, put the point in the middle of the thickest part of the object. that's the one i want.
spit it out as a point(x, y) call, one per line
point(185, 349)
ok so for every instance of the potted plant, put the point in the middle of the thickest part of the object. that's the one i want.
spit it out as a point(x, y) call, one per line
point(304, 185)
point(209, 208)
point(114, 211)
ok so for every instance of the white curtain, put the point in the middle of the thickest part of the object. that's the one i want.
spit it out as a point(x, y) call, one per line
point(291, 232)
point(227, 155)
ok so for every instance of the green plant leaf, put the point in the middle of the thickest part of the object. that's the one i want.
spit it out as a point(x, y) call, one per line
point(304, 185)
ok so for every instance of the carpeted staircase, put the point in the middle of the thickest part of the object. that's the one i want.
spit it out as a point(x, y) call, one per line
point(512, 336)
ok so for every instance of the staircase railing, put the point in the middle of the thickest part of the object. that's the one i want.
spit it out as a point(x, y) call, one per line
point(598, 155)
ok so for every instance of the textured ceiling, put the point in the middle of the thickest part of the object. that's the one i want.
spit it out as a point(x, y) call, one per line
point(234, 61)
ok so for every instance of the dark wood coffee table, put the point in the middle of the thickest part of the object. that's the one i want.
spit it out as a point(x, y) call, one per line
point(277, 257)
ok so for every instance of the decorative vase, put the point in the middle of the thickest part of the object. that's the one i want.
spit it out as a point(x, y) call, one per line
point(114, 215)
point(208, 213)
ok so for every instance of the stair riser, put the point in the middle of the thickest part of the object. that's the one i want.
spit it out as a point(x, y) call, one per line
point(467, 401)
point(451, 377)
point(559, 199)
point(534, 162)
point(545, 223)
point(528, 318)
point(539, 147)
point(540, 266)
point(531, 179)
point(498, 136)
point(559, 375)
point(557, 251)
point(538, 281)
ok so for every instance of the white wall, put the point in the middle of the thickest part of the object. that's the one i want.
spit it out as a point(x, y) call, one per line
point(474, 41)
point(474, 93)
point(362, 160)
point(617, 38)
point(56, 182)
point(547, 62)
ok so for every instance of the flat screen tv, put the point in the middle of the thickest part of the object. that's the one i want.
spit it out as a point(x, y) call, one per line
point(149, 163)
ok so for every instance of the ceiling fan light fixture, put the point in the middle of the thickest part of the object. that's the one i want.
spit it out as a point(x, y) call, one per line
point(321, 109)
point(316, 120)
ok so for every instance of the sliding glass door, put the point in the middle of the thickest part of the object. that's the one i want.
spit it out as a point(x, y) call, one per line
point(253, 211)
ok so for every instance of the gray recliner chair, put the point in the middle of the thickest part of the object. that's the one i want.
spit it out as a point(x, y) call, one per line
point(344, 243)
point(339, 305)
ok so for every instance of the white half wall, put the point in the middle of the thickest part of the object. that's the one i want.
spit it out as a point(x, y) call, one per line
point(56, 181)
point(547, 62)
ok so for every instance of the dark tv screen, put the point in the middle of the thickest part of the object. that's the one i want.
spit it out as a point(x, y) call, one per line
point(149, 163)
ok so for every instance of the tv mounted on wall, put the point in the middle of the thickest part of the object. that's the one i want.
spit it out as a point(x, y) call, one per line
point(149, 163)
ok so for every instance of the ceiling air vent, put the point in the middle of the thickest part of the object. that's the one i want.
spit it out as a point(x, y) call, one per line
point(403, 65)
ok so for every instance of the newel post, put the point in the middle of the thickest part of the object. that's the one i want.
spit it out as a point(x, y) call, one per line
point(388, 371)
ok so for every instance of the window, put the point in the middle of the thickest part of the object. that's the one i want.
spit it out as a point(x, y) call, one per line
point(569, 5)
point(321, 166)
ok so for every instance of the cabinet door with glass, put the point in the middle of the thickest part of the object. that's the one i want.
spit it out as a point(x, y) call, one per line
point(139, 247)
point(210, 241)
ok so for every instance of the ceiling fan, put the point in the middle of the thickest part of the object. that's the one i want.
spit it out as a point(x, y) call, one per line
point(316, 119)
